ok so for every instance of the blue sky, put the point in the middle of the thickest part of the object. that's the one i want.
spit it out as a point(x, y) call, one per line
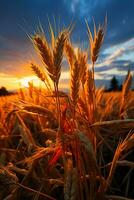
point(19, 17)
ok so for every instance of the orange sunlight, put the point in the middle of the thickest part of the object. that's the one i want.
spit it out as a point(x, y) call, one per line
point(24, 82)
point(12, 82)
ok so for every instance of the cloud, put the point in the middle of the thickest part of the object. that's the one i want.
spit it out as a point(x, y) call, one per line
point(118, 57)
point(120, 17)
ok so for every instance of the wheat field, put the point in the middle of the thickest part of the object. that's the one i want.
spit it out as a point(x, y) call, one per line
point(67, 146)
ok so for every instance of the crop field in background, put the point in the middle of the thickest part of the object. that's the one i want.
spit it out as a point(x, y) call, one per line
point(67, 146)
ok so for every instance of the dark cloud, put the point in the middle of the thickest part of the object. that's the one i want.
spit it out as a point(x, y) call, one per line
point(120, 65)
point(120, 18)
point(20, 16)
point(26, 14)
point(17, 18)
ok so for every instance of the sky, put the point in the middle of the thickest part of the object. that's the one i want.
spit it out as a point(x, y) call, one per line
point(21, 17)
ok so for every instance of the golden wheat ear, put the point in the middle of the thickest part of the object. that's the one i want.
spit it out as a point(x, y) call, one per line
point(83, 64)
point(43, 49)
point(58, 53)
point(127, 84)
point(125, 91)
point(89, 87)
point(75, 83)
point(51, 55)
point(96, 40)
point(41, 75)
point(70, 53)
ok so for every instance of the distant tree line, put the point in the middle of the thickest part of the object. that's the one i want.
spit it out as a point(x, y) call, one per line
point(114, 85)
point(4, 91)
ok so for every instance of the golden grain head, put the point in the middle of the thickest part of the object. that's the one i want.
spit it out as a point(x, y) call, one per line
point(42, 75)
point(44, 50)
point(58, 53)
point(75, 83)
point(127, 84)
point(96, 41)
point(38, 72)
point(70, 53)
point(89, 87)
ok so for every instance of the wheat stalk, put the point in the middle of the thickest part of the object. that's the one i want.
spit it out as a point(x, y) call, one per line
point(95, 45)
point(117, 154)
point(70, 187)
point(87, 144)
point(39, 110)
point(125, 145)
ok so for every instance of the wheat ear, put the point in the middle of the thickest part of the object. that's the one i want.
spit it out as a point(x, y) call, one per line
point(75, 83)
point(96, 41)
point(42, 47)
point(58, 53)
point(127, 84)
point(41, 75)
point(125, 90)
point(82, 58)
point(89, 87)
point(70, 53)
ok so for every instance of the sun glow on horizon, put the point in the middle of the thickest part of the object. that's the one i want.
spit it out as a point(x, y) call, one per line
point(24, 82)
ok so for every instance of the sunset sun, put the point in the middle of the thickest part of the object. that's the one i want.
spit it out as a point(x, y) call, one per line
point(24, 82)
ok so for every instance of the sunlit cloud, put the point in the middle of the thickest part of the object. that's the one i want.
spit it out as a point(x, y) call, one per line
point(118, 52)
point(126, 46)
